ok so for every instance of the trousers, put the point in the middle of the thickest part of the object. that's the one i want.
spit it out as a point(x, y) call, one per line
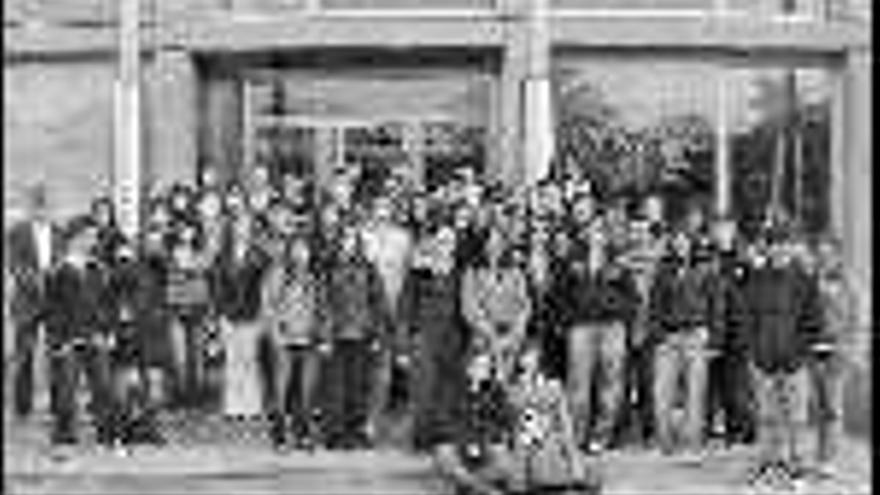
point(597, 352)
point(680, 357)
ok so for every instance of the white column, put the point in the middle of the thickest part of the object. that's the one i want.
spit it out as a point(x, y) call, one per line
point(722, 150)
point(857, 236)
point(173, 136)
point(538, 115)
point(127, 142)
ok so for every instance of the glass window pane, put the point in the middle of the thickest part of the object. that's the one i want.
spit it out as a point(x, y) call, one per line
point(639, 126)
point(50, 136)
point(408, 4)
point(781, 146)
point(269, 5)
point(633, 4)
point(813, 8)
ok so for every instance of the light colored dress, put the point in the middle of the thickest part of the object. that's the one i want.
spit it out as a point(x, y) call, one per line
point(242, 394)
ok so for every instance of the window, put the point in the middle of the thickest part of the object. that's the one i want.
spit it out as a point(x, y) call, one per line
point(438, 5)
point(634, 5)
point(635, 126)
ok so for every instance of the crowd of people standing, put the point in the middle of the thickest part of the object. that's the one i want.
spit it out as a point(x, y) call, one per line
point(328, 311)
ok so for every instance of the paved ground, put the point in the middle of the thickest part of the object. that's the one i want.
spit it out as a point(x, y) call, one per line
point(249, 466)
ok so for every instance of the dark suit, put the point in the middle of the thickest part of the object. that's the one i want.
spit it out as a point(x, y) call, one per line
point(27, 306)
point(77, 298)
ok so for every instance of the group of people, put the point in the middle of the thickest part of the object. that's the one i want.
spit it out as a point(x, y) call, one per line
point(334, 313)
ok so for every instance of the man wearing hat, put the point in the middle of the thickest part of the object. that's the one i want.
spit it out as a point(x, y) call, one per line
point(32, 248)
point(781, 319)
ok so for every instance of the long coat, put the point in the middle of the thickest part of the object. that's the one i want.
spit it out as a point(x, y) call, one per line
point(441, 341)
point(26, 302)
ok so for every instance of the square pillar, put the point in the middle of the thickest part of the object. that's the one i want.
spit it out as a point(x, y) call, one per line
point(856, 201)
point(510, 166)
point(173, 117)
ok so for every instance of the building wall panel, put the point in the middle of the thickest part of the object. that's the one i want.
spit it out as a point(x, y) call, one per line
point(57, 124)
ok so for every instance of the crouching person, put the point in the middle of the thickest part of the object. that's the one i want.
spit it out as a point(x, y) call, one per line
point(474, 458)
point(294, 303)
point(77, 338)
point(546, 458)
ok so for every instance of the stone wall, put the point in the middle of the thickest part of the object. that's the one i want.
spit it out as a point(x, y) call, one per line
point(58, 127)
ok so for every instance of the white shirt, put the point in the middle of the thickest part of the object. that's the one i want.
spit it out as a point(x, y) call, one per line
point(389, 247)
point(43, 241)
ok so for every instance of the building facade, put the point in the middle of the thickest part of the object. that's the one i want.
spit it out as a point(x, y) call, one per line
point(225, 83)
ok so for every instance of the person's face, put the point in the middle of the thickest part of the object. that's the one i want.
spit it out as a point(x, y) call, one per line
point(583, 209)
point(681, 245)
point(480, 369)
point(445, 244)
point(235, 202)
point(382, 211)
point(349, 242)
point(725, 234)
point(292, 187)
point(261, 176)
point(653, 209)
point(529, 362)
point(300, 253)
point(209, 177)
point(154, 241)
point(103, 214)
point(210, 207)
point(695, 220)
point(180, 201)
point(495, 246)
point(82, 245)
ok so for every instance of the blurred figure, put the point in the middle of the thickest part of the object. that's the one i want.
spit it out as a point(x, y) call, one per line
point(188, 299)
point(476, 459)
point(132, 290)
point(782, 319)
point(33, 246)
point(388, 246)
point(598, 301)
point(355, 296)
point(439, 334)
point(545, 454)
point(110, 237)
point(242, 269)
point(78, 337)
point(829, 361)
point(680, 304)
point(496, 305)
point(294, 302)
point(731, 392)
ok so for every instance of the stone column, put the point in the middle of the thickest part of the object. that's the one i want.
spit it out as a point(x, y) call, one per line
point(127, 119)
point(174, 128)
point(857, 134)
point(509, 167)
point(538, 141)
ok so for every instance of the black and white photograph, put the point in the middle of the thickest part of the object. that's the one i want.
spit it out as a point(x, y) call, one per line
point(437, 247)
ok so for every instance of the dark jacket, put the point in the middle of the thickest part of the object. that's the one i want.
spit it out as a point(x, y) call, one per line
point(77, 301)
point(727, 306)
point(356, 301)
point(239, 291)
point(609, 295)
point(681, 298)
point(782, 316)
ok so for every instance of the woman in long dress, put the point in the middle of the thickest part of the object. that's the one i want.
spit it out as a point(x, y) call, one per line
point(241, 272)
